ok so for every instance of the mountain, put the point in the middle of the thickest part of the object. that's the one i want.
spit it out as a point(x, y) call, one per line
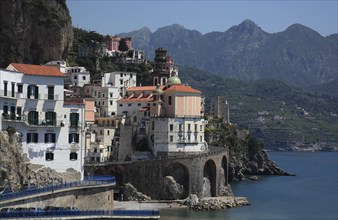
point(34, 31)
point(279, 115)
point(298, 56)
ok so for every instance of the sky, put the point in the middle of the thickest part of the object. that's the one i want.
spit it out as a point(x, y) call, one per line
point(114, 17)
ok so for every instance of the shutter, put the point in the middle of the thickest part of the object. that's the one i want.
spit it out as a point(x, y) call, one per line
point(36, 92)
point(53, 138)
point(46, 137)
point(29, 137)
point(28, 91)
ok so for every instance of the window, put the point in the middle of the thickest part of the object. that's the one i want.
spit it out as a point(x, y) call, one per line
point(74, 119)
point(121, 81)
point(83, 77)
point(5, 88)
point(5, 110)
point(73, 138)
point(171, 138)
point(13, 90)
point(73, 156)
point(50, 138)
point(189, 127)
point(121, 74)
point(75, 77)
point(111, 102)
point(99, 94)
point(180, 127)
point(201, 128)
point(189, 138)
point(50, 92)
point(18, 112)
point(49, 156)
point(111, 95)
point(169, 100)
point(131, 75)
point(129, 104)
point(103, 95)
point(120, 105)
point(153, 125)
point(108, 132)
point(33, 117)
point(20, 88)
point(138, 104)
point(201, 138)
point(33, 92)
point(32, 138)
point(12, 113)
point(195, 127)
point(50, 118)
point(171, 127)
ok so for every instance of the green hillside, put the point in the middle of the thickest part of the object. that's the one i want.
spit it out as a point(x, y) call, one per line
point(279, 115)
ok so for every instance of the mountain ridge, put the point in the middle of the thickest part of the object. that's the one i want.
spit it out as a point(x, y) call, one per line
point(298, 55)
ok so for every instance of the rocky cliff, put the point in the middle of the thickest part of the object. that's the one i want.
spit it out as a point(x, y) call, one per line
point(34, 31)
point(246, 154)
point(15, 170)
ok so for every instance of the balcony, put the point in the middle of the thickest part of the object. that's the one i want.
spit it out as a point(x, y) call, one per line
point(13, 117)
point(35, 122)
point(11, 95)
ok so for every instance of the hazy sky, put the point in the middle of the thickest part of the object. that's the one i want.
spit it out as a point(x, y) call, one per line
point(113, 17)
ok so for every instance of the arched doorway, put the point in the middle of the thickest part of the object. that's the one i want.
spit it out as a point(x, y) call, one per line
point(224, 172)
point(176, 174)
point(209, 179)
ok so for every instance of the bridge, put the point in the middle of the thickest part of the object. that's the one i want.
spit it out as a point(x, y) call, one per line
point(189, 170)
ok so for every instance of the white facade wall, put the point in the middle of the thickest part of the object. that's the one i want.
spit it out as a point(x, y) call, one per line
point(172, 135)
point(80, 78)
point(35, 144)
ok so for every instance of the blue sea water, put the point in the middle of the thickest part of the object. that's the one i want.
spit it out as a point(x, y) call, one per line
point(310, 195)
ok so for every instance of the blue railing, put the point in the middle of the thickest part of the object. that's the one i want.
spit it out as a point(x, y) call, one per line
point(59, 213)
point(88, 181)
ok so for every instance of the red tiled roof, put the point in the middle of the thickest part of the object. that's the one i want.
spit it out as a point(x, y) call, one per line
point(135, 100)
point(30, 69)
point(143, 88)
point(182, 88)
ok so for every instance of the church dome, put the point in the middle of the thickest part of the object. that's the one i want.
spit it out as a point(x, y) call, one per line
point(174, 80)
point(158, 90)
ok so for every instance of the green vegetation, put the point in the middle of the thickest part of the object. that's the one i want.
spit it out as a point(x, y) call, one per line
point(272, 111)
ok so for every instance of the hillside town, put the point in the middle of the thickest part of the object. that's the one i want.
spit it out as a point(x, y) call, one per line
point(66, 120)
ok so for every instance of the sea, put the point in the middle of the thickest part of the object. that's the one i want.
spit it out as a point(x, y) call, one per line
point(310, 195)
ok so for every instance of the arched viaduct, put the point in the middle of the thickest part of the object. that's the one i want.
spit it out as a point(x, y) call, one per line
point(201, 174)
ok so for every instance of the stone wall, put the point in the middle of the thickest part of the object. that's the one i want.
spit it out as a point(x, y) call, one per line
point(88, 198)
point(188, 170)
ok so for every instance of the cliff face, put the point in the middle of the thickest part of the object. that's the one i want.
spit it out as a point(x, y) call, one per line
point(246, 153)
point(34, 31)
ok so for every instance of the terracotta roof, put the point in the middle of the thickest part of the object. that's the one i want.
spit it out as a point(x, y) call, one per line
point(143, 88)
point(39, 70)
point(182, 88)
point(135, 100)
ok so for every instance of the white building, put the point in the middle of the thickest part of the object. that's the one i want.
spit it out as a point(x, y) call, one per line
point(32, 102)
point(78, 76)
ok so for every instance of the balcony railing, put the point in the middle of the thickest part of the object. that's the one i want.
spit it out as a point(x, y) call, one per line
point(36, 122)
point(11, 95)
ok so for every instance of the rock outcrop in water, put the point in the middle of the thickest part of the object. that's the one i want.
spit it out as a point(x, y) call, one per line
point(247, 154)
point(34, 31)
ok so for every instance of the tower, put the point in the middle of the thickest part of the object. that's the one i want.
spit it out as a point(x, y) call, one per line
point(161, 72)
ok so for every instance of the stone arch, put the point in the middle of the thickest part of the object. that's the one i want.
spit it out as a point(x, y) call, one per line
point(118, 172)
point(209, 179)
point(180, 175)
point(224, 172)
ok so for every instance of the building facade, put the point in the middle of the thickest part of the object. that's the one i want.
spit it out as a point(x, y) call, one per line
point(32, 102)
